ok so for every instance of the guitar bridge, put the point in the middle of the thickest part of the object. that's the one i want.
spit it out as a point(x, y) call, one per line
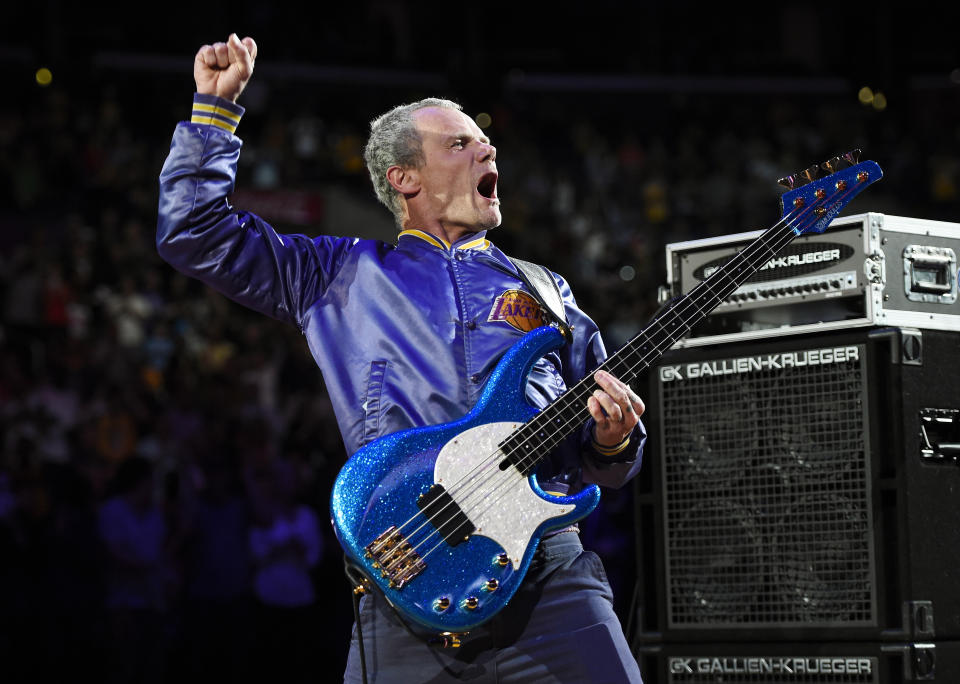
point(394, 557)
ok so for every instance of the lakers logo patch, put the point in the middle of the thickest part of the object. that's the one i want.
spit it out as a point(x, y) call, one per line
point(519, 309)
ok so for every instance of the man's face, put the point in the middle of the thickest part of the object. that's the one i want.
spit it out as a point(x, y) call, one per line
point(458, 180)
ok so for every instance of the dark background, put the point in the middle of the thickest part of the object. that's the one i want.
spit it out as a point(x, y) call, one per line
point(619, 129)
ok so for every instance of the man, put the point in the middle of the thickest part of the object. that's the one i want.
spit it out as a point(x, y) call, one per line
point(405, 336)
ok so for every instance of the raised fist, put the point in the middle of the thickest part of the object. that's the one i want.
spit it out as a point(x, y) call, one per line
point(223, 69)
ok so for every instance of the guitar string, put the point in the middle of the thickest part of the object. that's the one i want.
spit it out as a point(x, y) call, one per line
point(692, 297)
point(761, 244)
point(655, 353)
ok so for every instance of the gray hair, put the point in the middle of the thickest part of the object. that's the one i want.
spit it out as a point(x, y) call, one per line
point(395, 141)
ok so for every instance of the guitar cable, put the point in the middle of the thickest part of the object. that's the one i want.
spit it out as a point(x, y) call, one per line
point(358, 587)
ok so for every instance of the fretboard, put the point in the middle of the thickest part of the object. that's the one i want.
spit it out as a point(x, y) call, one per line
point(526, 447)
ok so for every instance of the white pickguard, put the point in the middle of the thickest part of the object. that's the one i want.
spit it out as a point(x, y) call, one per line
point(501, 504)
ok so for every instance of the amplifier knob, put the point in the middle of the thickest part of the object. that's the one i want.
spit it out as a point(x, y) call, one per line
point(816, 287)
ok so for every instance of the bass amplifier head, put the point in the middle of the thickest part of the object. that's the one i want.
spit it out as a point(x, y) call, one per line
point(865, 270)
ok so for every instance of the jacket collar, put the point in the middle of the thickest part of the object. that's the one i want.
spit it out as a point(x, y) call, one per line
point(471, 241)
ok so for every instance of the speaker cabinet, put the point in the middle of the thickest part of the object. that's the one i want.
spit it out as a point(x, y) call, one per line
point(802, 489)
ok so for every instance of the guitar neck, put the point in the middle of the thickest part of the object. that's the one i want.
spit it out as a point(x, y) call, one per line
point(808, 207)
point(532, 442)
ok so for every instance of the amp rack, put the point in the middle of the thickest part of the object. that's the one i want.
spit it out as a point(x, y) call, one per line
point(865, 270)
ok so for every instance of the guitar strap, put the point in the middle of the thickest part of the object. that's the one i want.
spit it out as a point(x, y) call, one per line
point(543, 286)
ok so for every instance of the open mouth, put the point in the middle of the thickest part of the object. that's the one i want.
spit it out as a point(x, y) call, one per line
point(487, 187)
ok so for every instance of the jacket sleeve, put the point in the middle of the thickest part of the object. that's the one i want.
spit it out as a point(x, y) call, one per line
point(608, 467)
point(235, 252)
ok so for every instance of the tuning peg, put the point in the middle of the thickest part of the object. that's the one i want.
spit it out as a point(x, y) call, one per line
point(789, 182)
point(809, 174)
point(799, 179)
point(852, 157)
point(832, 165)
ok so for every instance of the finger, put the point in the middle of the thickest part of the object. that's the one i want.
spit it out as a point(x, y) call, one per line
point(614, 387)
point(621, 391)
point(613, 410)
point(630, 418)
point(223, 55)
point(251, 46)
point(207, 56)
point(633, 402)
point(596, 412)
point(239, 57)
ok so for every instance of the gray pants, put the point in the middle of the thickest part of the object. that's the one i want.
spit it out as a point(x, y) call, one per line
point(559, 627)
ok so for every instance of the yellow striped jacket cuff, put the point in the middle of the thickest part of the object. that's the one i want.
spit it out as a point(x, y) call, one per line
point(215, 111)
point(610, 450)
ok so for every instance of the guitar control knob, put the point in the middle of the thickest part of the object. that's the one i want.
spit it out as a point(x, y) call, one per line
point(441, 604)
point(470, 603)
point(491, 585)
point(503, 560)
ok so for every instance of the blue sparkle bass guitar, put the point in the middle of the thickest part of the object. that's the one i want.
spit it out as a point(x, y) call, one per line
point(444, 520)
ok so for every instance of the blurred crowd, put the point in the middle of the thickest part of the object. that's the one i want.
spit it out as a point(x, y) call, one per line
point(166, 456)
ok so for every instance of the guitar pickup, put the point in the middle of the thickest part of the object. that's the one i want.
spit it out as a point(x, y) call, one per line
point(394, 557)
point(445, 515)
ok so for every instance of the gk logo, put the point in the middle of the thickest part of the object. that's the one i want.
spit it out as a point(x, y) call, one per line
point(670, 373)
point(681, 666)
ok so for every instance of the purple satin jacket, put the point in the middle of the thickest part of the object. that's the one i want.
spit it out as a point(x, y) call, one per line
point(404, 334)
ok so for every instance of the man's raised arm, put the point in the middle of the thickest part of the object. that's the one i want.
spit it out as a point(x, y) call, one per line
point(199, 233)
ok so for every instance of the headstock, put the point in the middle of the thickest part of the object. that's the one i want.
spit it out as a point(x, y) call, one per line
point(811, 203)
